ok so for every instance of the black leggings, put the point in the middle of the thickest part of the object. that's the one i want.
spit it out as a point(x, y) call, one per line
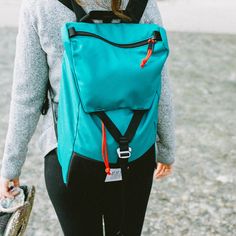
point(81, 205)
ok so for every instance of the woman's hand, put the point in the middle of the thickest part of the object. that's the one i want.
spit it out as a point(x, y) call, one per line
point(163, 170)
point(4, 187)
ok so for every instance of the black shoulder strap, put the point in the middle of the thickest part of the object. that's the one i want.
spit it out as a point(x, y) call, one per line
point(67, 3)
point(134, 9)
point(75, 7)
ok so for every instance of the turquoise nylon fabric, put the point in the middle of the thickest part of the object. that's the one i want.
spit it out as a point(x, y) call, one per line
point(99, 76)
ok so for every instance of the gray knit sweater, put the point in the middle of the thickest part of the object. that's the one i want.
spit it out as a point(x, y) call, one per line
point(38, 57)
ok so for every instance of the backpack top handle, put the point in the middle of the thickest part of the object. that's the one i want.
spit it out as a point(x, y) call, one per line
point(134, 10)
point(105, 16)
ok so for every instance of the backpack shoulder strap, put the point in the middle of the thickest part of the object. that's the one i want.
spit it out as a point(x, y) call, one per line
point(75, 7)
point(67, 3)
point(135, 9)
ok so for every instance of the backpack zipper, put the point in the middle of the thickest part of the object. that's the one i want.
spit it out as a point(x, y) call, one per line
point(150, 42)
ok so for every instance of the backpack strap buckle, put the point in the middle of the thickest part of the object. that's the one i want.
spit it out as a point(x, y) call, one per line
point(124, 153)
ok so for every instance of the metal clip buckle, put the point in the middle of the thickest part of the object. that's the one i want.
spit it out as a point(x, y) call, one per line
point(122, 154)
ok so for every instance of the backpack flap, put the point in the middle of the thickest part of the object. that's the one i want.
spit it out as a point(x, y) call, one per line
point(116, 66)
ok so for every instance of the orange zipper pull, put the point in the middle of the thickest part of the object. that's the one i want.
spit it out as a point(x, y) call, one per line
point(151, 42)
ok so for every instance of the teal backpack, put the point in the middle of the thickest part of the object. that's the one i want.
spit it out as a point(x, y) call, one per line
point(110, 87)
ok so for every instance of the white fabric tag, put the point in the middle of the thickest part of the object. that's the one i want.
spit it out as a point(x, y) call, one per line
point(114, 176)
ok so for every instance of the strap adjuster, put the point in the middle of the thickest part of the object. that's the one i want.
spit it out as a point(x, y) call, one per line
point(125, 153)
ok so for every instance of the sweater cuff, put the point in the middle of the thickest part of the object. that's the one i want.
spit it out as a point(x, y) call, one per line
point(9, 170)
point(165, 155)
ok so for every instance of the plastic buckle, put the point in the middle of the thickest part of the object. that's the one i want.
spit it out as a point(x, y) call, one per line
point(124, 154)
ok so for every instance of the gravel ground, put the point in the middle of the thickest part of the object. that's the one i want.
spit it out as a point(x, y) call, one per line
point(199, 198)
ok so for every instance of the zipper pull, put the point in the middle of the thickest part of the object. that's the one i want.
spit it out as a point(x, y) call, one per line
point(151, 42)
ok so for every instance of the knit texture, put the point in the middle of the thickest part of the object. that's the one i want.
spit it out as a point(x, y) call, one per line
point(38, 57)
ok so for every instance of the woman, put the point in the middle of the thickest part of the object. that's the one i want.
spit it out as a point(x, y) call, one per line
point(38, 57)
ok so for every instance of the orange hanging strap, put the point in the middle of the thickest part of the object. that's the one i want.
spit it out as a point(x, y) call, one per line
point(104, 150)
point(149, 52)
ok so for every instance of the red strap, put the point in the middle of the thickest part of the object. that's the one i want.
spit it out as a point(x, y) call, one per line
point(104, 150)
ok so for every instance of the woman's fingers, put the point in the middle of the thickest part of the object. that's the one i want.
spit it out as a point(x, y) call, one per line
point(163, 170)
point(159, 167)
point(166, 172)
point(5, 190)
point(160, 173)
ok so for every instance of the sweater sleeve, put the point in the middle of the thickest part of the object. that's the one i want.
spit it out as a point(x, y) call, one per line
point(30, 77)
point(165, 130)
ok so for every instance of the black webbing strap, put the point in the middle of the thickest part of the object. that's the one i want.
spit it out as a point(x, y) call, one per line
point(79, 11)
point(122, 140)
point(67, 3)
point(109, 125)
point(114, 131)
point(45, 105)
point(75, 7)
point(135, 9)
point(134, 123)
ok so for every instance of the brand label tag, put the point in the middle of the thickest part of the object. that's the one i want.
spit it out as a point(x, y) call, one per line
point(114, 176)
